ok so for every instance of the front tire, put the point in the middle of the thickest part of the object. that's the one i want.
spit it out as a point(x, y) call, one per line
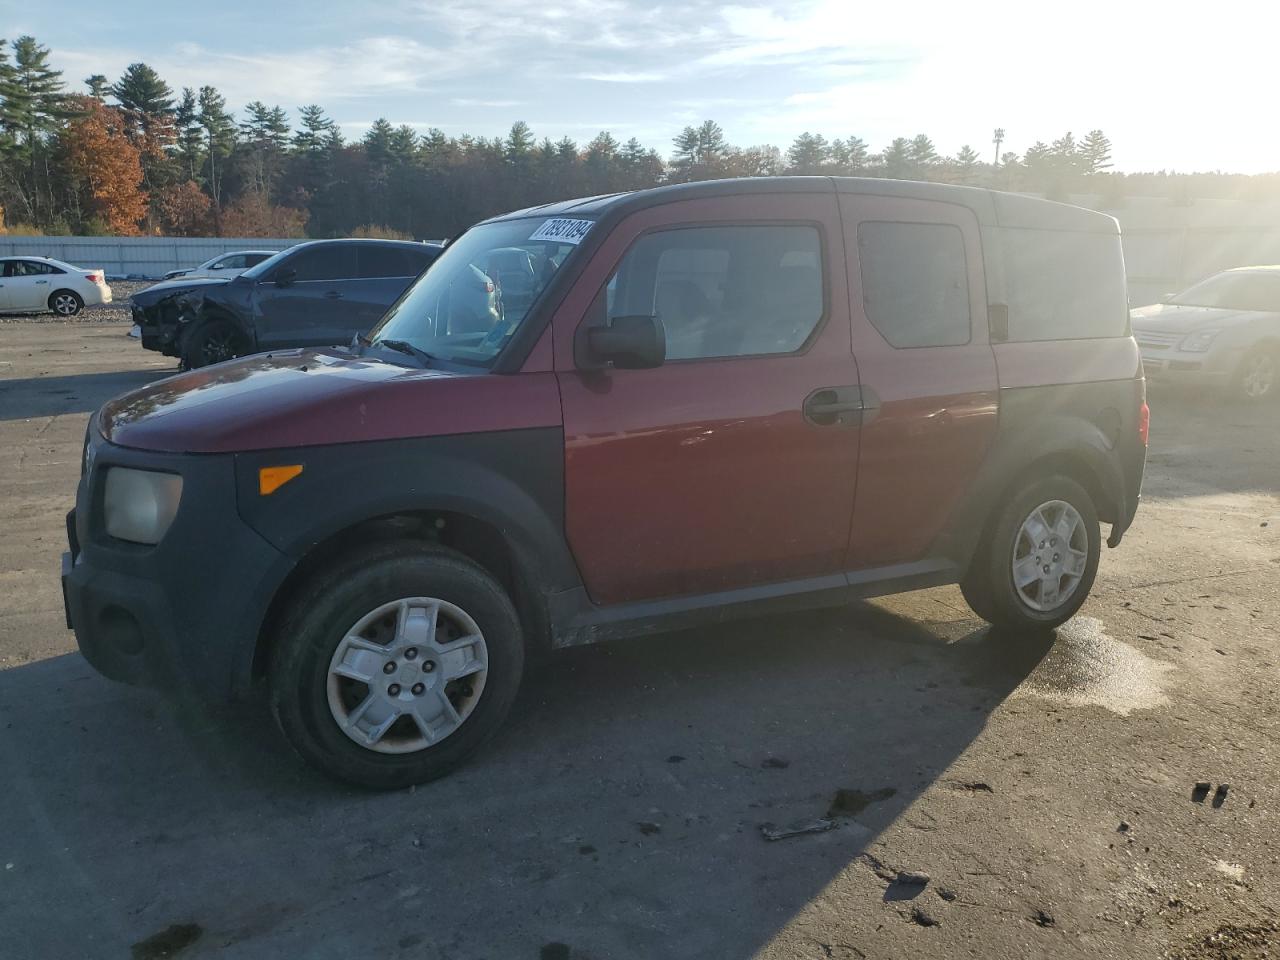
point(212, 342)
point(1037, 562)
point(1258, 378)
point(393, 667)
point(65, 303)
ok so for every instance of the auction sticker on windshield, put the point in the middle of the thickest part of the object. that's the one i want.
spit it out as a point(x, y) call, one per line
point(562, 230)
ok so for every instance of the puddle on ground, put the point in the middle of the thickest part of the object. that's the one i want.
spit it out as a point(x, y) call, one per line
point(1087, 667)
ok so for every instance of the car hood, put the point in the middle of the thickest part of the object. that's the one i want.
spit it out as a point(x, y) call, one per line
point(166, 288)
point(299, 398)
point(1169, 318)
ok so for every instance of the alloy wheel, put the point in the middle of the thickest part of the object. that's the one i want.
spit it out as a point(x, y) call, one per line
point(408, 674)
point(1050, 555)
point(1258, 377)
point(65, 305)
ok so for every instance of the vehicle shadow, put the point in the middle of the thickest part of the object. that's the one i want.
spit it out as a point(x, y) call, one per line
point(76, 393)
point(1202, 443)
point(619, 815)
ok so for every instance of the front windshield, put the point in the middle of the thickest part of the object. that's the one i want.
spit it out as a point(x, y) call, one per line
point(1234, 291)
point(476, 295)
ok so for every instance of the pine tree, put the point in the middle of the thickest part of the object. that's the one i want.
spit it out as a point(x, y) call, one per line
point(313, 130)
point(1095, 152)
point(849, 157)
point(220, 136)
point(966, 163)
point(190, 145)
point(922, 152)
point(33, 106)
point(99, 86)
point(898, 158)
point(809, 154)
point(145, 99)
point(519, 142)
point(377, 142)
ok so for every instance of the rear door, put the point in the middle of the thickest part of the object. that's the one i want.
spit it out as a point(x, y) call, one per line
point(311, 310)
point(920, 333)
point(7, 268)
point(705, 474)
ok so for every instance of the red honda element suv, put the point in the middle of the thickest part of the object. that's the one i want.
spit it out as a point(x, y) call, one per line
point(612, 416)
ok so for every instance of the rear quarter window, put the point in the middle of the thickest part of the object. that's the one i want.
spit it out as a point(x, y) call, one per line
point(1064, 286)
point(915, 283)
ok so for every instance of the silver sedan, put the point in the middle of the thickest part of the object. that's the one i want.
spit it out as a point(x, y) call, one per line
point(1224, 332)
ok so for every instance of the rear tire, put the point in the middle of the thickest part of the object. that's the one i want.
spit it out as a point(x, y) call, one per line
point(213, 341)
point(1051, 523)
point(65, 303)
point(1258, 379)
point(372, 687)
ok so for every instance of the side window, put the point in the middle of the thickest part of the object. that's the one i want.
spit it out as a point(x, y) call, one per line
point(915, 283)
point(33, 268)
point(378, 261)
point(253, 259)
point(330, 261)
point(724, 291)
point(11, 268)
point(235, 262)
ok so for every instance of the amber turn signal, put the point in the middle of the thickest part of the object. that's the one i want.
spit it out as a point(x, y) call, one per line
point(271, 479)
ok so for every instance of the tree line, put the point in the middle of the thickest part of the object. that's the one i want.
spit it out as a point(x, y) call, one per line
point(132, 156)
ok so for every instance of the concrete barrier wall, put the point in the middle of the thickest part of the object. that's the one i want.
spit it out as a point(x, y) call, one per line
point(150, 257)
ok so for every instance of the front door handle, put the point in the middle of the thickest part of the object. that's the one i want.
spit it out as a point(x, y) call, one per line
point(834, 406)
point(332, 295)
point(41, 281)
point(841, 406)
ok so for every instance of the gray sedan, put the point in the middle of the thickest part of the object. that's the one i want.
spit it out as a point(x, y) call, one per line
point(1223, 332)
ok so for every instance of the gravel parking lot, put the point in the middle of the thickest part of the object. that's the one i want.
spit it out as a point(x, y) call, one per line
point(1047, 790)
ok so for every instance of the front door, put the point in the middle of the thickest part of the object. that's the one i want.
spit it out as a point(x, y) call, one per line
point(311, 309)
point(26, 285)
point(707, 474)
point(920, 334)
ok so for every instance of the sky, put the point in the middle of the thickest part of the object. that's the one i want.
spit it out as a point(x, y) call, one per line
point(1176, 86)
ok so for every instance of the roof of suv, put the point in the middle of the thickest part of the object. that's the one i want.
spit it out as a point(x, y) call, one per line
point(992, 207)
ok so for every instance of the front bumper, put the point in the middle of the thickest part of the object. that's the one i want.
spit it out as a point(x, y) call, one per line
point(184, 615)
point(1211, 369)
point(158, 329)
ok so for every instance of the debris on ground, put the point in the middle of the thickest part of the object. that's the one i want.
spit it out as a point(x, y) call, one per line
point(648, 827)
point(923, 917)
point(1220, 795)
point(1201, 790)
point(975, 786)
point(796, 829)
point(1232, 942)
point(775, 763)
point(168, 942)
point(912, 878)
point(1043, 918)
point(850, 803)
point(675, 758)
point(1124, 827)
point(878, 866)
point(946, 893)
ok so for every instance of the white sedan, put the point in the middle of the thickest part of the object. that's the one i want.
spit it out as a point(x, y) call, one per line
point(36, 284)
point(226, 265)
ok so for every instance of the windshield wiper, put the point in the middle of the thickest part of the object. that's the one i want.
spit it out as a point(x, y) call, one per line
point(404, 346)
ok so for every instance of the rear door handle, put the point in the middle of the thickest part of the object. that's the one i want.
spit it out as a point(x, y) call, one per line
point(42, 281)
point(332, 295)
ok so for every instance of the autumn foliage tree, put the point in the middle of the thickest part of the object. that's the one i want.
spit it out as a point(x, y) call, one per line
point(253, 215)
point(102, 168)
point(183, 209)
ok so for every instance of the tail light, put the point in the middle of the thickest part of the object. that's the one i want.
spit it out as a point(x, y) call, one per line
point(93, 277)
point(1144, 422)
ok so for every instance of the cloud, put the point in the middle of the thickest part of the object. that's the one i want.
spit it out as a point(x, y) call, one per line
point(471, 102)
point(622, 76)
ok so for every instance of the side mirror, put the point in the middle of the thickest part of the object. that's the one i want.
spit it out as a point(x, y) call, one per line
point(285, 276)
point(629, 343)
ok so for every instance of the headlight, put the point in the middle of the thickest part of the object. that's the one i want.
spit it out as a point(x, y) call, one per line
point(140, 504)
point(1198, 342)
